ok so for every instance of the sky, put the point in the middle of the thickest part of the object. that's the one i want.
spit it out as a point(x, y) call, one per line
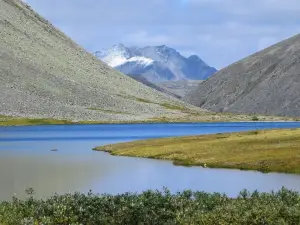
point(220, 32)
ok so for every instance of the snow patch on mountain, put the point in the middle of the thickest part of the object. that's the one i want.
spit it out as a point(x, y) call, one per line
point(119, 60)
point(119, 55)
point(155, 63)
point(141, 60)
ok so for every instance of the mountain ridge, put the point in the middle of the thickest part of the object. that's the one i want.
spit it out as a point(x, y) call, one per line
point(267, 82)
point(180, 87)
point(155, 63)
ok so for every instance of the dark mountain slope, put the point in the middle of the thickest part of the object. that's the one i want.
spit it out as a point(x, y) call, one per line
point(179, 87)
point(267, 82)
point(143, 80)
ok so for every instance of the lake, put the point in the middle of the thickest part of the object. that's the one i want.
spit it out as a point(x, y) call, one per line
point(26, 160)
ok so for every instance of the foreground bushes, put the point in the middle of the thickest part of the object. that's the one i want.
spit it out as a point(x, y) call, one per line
point(155, 207)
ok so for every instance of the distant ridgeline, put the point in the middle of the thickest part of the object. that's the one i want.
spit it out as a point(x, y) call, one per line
point(156, 63)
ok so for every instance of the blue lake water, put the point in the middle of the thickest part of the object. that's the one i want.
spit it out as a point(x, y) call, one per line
point(26, 160)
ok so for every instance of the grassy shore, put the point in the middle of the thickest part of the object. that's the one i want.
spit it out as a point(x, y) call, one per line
point(18, 121)
point(189, 117)
point(266, 150)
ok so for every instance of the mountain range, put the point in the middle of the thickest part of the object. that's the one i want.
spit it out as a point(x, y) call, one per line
point(155, 63)
point(267, 82)
point(44, 74)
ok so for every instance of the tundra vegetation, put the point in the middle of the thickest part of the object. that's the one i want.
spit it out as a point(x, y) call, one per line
point(190, 116)
point(275, 150)
point(155, 207)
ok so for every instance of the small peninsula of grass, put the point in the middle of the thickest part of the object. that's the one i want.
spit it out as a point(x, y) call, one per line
point(265, 150)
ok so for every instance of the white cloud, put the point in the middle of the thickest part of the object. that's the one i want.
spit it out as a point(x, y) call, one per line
point(219, 31)
point(142, 38)
point(251, 7)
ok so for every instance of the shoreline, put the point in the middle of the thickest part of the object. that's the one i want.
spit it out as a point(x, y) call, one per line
point(145, 122)
point(269, 150)
point(187, 117)
point(179, 163)
point(7, 121)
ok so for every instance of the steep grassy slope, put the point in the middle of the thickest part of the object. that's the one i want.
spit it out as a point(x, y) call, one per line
point(43, 73)
point(267, 82)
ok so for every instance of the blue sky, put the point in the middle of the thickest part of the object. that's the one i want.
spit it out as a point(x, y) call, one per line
point(219, 31)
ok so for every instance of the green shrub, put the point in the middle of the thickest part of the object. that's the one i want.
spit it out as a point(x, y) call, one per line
point(155, 207)
point(255, 118)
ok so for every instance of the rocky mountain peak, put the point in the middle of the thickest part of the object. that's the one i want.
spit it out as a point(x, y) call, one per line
point(155, 63)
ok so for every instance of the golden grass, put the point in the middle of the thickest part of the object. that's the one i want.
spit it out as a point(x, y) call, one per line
point(18, 121)
point(21, 121)
point(195, 116)
point(186, 117)
point(268, 150)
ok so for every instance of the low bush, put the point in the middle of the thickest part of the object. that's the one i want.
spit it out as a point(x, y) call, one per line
point(155, 207)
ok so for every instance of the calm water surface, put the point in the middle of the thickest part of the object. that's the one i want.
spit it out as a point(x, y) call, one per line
point(26, 160)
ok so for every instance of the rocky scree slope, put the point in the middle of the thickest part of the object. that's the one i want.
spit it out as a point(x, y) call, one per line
point(179, 87)
point(157, 87)
point(267, 82)
point(43, 73)
point(155, 63)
